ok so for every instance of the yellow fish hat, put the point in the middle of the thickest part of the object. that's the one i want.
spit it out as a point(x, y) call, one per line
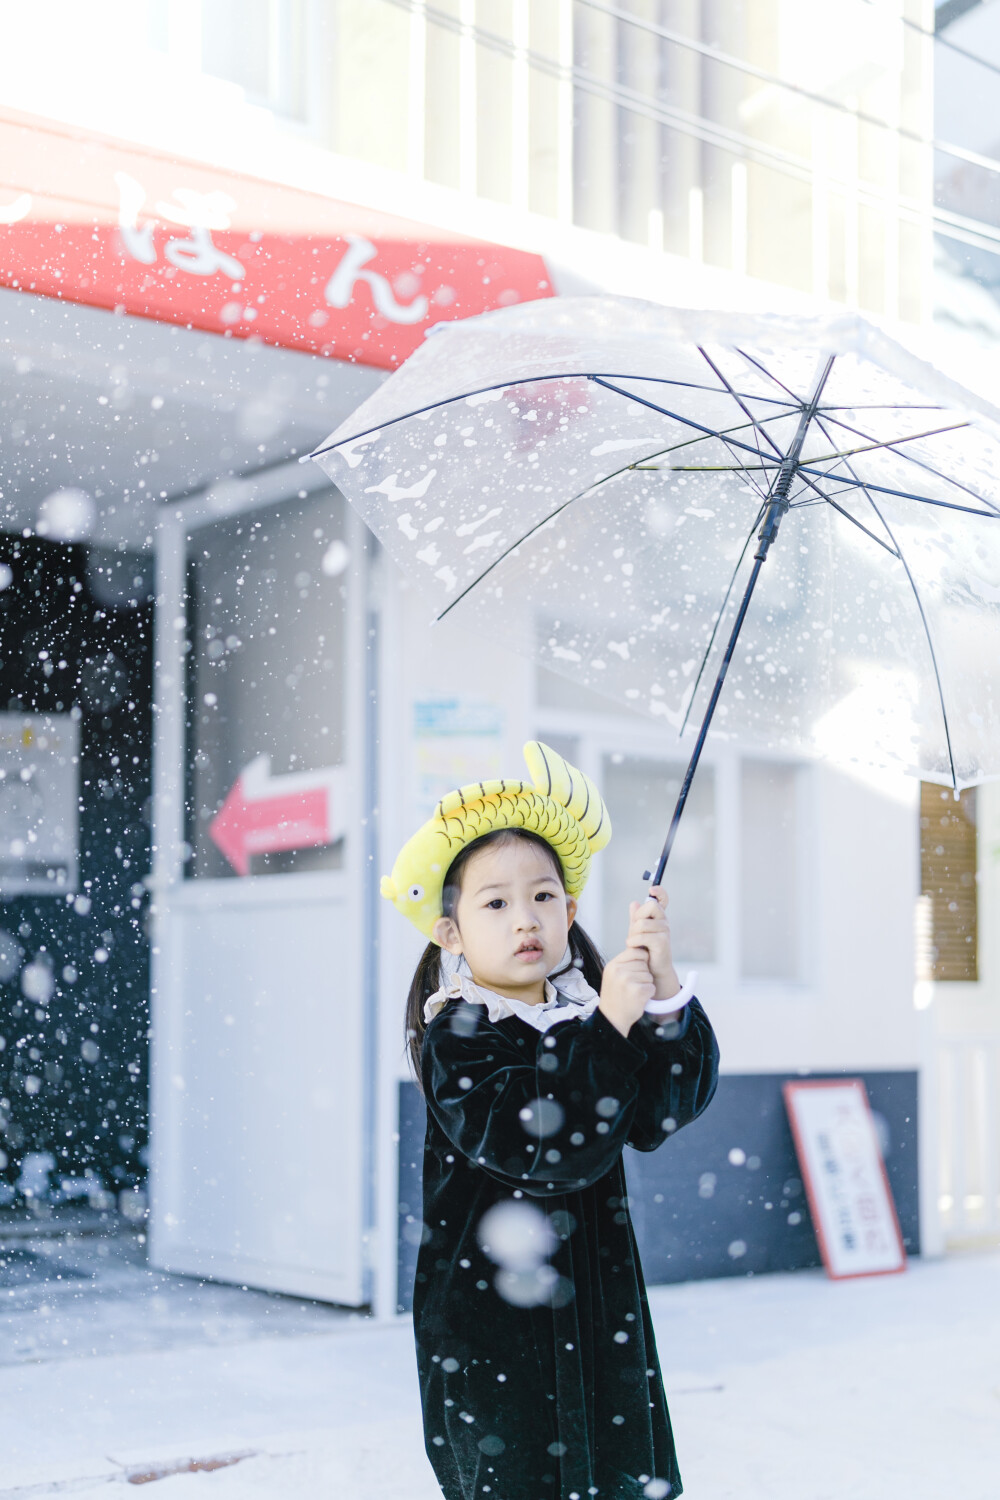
point(560, 804)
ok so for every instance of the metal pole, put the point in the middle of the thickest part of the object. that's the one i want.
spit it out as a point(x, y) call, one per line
point(759, 556)
point(776, 508)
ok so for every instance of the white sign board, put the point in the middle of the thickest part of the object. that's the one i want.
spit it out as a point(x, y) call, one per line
point(849, 1194)
point(39, 808)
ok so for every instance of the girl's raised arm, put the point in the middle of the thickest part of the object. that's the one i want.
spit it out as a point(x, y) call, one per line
point(678, 1075)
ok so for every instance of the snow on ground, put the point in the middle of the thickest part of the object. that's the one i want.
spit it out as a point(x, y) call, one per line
point(94, 1293)
point(781, 1388)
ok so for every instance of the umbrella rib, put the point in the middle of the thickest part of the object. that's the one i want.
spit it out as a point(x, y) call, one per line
point(873, 446)
point(930, 641)
point(746, 412)
point(718, 619)
point(746, 470)
point(675, 416)
point(775, 509)
point(810, 482)
point(987, 515)
point(923, 617)
point(884, 406)
point(503, 385)
point(721, 433)
point(580, 495)
point(644, 464)
point(739, 401)
point(763, 490)
point(922, 464)
point(806, 473)
point(862, 527)
point(767, 374)
point(820, 496)
point(693, 385)
point(742, 405)
point(739, 564)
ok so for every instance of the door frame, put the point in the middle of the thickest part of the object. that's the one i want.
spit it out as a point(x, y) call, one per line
point(171, 894)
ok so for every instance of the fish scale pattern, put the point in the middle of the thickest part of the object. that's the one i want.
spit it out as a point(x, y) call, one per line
point(560, 804)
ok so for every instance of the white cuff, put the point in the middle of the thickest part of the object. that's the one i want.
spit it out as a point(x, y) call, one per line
point(677, 1002)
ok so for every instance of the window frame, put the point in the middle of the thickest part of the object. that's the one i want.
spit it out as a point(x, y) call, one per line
point(599, 734)
point(805, 845)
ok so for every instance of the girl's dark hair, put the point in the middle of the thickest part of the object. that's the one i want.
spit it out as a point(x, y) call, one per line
point(427, 975)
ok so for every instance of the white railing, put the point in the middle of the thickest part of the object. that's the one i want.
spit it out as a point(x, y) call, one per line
point(969, 1145)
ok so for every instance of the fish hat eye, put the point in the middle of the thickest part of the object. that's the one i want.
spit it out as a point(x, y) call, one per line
point(559, 804)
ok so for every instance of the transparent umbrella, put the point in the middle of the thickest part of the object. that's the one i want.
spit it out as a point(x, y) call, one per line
point(599, 482)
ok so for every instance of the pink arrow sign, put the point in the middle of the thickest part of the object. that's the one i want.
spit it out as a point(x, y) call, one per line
point(264, 814)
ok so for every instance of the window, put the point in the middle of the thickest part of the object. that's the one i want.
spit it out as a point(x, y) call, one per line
point(261, 46)
point(266, 682)
point(770, 878)
point(566, 745)
point(640, 795)
point(555, 691)
point(948, 863)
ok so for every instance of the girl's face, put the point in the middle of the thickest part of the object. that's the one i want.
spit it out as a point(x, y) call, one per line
point(512, 919)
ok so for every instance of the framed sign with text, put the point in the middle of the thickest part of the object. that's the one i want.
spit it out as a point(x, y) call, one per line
point(39, 812)
point(849, 1195)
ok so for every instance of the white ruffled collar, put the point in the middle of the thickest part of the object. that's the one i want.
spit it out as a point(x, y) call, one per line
point(568, 996)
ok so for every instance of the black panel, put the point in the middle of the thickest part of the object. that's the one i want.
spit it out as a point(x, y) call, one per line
point(694, 1210)
point(76, 636)
point(696, 1213)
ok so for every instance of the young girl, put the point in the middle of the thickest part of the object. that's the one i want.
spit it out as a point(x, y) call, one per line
point(538, 1369)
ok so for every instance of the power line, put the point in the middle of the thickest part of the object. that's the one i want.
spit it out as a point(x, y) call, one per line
point(946, 11)
point(952, 226)
point(940, 40)
point(706, 49)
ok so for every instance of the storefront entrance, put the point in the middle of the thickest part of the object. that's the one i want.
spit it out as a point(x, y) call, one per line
point(261, 1055)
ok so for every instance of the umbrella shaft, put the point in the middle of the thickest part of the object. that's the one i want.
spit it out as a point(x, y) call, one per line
point(713, 700)
point(776, 509)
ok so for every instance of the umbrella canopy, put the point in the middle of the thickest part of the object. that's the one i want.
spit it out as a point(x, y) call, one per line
point(595, 482)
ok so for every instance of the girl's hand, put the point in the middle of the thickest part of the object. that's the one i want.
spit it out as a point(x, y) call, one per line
point(626, 989)
point(648, 929)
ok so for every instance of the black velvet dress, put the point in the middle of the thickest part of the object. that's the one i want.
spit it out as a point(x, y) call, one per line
point(560, 1399)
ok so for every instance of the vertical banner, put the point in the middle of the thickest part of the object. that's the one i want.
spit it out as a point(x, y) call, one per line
point(39, 797)
point(848, 1191)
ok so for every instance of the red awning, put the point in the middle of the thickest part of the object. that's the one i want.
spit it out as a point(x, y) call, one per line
point(87, 219)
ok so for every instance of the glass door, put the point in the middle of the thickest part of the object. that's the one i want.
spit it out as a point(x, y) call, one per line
point(259, 1147)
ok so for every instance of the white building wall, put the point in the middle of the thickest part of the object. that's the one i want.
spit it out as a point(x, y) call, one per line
point(859, 862)
point(854, 1005)
point(961, 1026)
point(436, 664)
point(856, 1010)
